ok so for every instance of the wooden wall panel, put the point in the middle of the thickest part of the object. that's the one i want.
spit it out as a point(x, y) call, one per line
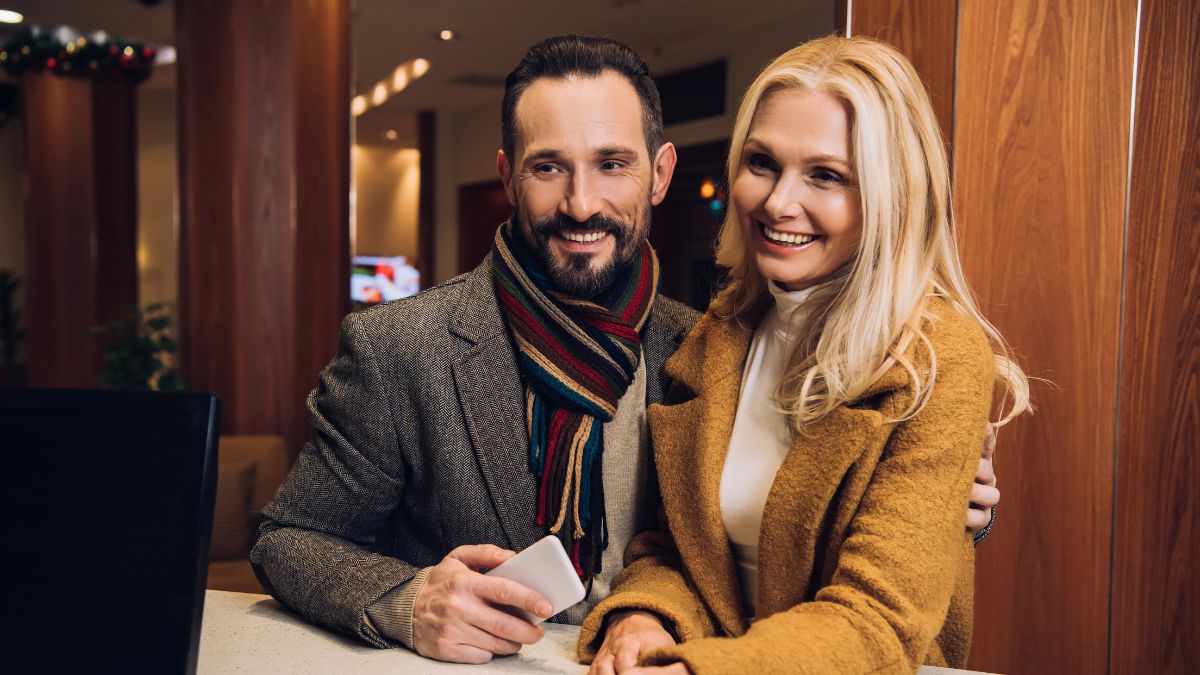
point(925, 32)
point(1041, 150)
point(81, 215)
point(1156, 599)
point(264, 218)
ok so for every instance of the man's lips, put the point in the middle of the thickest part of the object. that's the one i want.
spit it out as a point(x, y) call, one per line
point(582, 241)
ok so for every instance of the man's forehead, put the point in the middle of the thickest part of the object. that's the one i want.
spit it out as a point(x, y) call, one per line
point(577, 112)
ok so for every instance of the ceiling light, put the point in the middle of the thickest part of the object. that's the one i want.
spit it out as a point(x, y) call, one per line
point(447, 35)
point(399, 80)
point(419, 67)
point(8, 16)
point(390, 135)
point(380, 94)
point(358, 105)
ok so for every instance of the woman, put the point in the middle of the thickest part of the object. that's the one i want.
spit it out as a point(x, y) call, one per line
point(824, 417)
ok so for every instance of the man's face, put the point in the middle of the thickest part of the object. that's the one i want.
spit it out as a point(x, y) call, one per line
point(582, 180)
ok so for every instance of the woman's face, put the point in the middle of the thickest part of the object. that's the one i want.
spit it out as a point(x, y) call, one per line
point(795, 192)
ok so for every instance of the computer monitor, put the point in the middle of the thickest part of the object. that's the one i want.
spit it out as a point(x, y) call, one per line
point(107, 501)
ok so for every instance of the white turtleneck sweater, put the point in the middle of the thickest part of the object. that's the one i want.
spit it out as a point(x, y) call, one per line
point(761, 437)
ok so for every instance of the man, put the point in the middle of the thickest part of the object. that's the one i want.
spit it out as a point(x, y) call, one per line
point(467, 422)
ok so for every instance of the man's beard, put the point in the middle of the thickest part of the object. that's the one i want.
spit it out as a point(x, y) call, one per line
point(576, 276)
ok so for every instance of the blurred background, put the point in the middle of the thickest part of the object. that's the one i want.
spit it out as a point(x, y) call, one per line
point(193, 193)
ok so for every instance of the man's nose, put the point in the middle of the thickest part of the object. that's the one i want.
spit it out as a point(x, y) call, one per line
point(581, 201)
point(784, 203)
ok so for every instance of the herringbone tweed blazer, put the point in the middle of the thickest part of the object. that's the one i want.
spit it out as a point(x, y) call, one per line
point(418, 445)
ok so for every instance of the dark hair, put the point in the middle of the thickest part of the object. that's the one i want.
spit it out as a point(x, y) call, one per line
point(565, 55)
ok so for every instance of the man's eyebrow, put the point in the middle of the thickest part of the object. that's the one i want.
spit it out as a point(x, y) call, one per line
point(612, 150)
point(540, 154)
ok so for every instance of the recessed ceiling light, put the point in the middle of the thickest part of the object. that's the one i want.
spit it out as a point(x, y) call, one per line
point(390, 135)
point(447, 35)
point(9, 16)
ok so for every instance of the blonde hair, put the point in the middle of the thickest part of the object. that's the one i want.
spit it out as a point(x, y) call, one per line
point(869, 319)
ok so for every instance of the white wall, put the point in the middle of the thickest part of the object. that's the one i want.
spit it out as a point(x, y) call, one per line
point(467, 140)
point(387, 183)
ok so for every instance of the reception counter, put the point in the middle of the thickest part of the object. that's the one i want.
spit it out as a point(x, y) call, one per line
point(247, 633)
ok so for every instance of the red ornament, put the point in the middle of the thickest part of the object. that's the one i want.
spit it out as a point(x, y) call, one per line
point(51, 62)
point(147, 53)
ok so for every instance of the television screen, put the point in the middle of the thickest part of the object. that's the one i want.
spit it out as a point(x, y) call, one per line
point(375, 279)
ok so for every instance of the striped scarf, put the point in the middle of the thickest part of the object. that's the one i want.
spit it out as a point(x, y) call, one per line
point(577, 358)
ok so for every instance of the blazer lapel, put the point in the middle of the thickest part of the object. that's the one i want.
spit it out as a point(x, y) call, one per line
point(489, 390)
point(691, 440)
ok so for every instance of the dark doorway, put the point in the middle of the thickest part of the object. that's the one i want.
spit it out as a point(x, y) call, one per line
point(481, 209)
point(686, 223)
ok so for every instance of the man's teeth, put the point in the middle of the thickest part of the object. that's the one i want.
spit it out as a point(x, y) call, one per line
point(583, 237)
point(787, 238)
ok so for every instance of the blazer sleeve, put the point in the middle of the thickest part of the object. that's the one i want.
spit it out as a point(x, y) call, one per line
point(313, 549)
point(896, 570)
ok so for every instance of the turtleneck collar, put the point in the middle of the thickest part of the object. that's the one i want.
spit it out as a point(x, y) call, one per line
point(788, 311)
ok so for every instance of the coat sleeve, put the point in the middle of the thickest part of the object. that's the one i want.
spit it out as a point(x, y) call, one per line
point(895, 572)
point(313, 549)
point(652, 581)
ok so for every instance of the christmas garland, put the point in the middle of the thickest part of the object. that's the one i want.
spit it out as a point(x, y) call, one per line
point(65, 52)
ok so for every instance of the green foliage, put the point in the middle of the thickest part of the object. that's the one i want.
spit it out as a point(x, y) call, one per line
point(135, 359)
point(11, 333)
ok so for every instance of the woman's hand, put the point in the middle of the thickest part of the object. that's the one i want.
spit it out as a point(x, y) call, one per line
point(631, 634)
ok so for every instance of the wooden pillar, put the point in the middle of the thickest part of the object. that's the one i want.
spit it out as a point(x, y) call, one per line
point(926, 32)
point(1042, 108)
point(264, 158)
point(1155, 595)
point(81, 214)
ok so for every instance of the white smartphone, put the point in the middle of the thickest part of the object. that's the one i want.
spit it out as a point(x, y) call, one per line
point(545, 568)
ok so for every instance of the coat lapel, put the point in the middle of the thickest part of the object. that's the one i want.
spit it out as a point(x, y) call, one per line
point(489, 390)
point(691, 439)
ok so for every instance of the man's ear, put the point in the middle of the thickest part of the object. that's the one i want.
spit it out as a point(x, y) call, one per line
point(664, 169)
point(506, 175)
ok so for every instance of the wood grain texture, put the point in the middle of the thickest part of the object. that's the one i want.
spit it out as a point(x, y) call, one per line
point(1156, 599)
point(264, 178)
point(926, 33)
point(81, 215)
point(1041, 150)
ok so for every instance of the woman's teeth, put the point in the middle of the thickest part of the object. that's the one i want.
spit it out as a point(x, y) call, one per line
point(583, 237)
point(787, 238)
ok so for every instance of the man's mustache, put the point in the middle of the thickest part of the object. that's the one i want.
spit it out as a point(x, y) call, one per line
point(562, 223)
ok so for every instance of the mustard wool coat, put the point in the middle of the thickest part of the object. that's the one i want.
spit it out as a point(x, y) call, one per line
point(864, 562)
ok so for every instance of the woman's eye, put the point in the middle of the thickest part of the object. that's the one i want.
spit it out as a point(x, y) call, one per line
point(827, 176)
point(761, 161)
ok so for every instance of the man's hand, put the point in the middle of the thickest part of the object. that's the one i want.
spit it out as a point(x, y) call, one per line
point(455, 615)
point(984, 494)
point(629, 635)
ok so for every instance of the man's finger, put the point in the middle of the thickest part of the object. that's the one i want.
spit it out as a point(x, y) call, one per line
point(480, 556)
point(460, 653)
point(978, 518)
point(510, 593)
point(984, 475)
point(984, 496)
point(474, 637)
point(501, 624)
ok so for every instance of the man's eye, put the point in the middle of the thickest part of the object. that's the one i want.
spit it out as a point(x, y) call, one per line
point(761, 161)
point(545, 168)
point(610, 165)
